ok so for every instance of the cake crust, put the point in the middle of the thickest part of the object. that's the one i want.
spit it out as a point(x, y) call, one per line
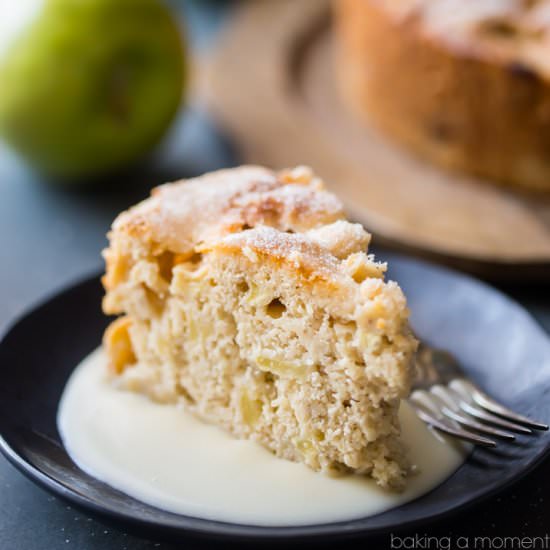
point(185, 213)
point(464, 84)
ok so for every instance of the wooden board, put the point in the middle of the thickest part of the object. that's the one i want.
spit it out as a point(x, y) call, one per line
point(271, 82)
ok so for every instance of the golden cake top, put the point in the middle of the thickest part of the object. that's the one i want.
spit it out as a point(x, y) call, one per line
point(180, 216)
point(287, 217)
point(502, 31)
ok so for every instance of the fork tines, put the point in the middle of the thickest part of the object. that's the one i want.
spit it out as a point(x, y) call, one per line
point(462, 410)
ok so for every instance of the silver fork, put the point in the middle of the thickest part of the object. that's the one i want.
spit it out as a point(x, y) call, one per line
point(444, 398)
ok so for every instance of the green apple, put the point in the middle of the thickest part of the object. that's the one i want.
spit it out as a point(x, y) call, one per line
point(89, 86)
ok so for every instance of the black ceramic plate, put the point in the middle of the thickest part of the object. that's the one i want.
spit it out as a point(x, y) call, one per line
point(497, 342)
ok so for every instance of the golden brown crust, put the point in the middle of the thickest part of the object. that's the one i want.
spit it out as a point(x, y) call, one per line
point(465, 84)
point(298, 253)
point(180, 215)
point(282, 218)
point(187, 217)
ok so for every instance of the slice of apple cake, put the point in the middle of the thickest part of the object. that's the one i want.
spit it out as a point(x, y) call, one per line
point(247, 296)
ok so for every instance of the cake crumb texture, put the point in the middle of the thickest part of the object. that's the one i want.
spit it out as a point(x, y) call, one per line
point(246, 296)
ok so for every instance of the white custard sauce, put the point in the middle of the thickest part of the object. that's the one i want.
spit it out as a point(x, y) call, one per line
point(162, 455)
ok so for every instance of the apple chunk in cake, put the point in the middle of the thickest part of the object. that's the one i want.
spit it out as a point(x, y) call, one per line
point(246, 295)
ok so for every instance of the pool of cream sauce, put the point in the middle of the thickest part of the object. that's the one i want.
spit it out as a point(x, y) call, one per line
point(162, 455)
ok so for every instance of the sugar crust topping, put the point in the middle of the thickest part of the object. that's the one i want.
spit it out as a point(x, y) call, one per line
point(286, 214)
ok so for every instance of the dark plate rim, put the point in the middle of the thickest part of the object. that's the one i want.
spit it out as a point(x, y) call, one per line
point(212, 529)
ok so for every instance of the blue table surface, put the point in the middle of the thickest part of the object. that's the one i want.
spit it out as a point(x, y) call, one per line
point(51, 236)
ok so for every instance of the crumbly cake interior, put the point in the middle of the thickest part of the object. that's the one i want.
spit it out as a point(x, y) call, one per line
point(246, 296)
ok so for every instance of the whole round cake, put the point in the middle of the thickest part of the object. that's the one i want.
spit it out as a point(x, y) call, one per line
point(464, 83)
